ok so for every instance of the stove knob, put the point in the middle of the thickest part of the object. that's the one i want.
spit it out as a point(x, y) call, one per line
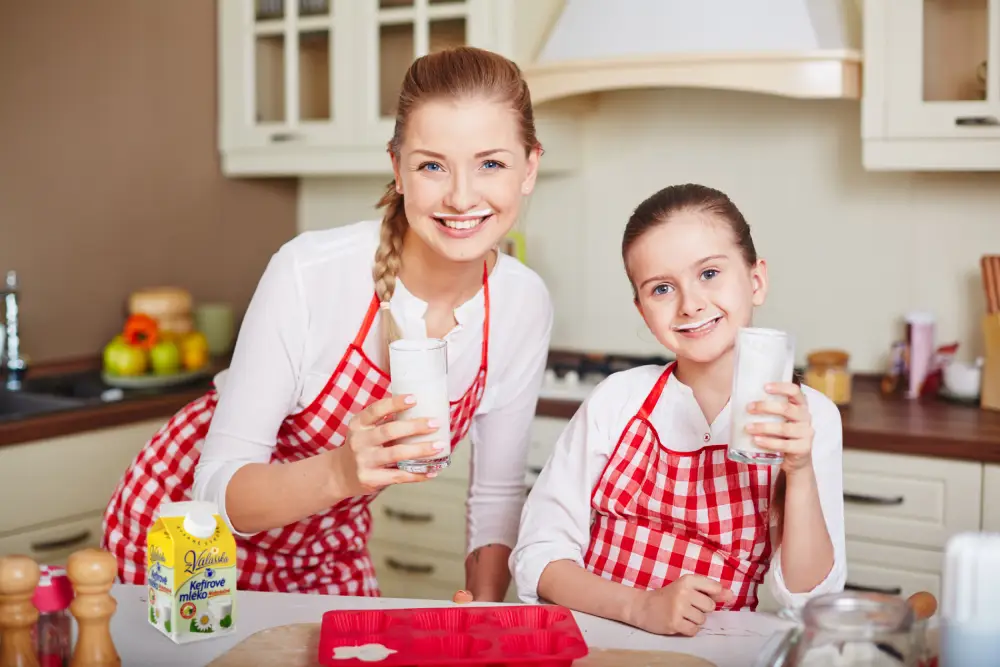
point(550, 377)
point(572, 378)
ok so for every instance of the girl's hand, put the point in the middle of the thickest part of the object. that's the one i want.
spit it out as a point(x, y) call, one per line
point(462, 597)
point(792, 437)
point(679, 608)
point(366, 462)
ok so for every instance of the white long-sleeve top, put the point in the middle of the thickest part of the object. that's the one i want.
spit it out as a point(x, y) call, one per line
point(306, 311)
point(555, 522)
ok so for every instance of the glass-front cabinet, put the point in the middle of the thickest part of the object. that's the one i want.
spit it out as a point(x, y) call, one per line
point(932, 82)
point(310, 86)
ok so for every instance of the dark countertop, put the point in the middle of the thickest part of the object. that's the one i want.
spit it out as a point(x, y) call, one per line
point(895, 425)
point(929, 427)
point(134, 405)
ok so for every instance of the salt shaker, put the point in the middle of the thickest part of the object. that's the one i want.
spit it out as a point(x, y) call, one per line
point(53, 633)
point(970, 618)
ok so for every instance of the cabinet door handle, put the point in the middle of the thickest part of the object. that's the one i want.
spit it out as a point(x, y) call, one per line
point(409, 517)
point(862, 499)
point(886, 590)
point(537, 470)
point(279, 137)
point(408, 567)
point(63, 543)
point(977, 121)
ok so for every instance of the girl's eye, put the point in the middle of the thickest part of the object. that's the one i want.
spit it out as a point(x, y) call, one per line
point(708, 274)
point(662, 289)
point(430, 166)
point(493, 164)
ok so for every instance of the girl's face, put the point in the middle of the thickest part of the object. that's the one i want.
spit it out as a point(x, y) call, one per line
point(694, 287)
point(462, 171)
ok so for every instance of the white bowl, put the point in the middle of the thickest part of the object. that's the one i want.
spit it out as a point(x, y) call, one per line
point(962, 379)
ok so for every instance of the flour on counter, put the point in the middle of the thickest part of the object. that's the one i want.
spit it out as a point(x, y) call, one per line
point(365, 653)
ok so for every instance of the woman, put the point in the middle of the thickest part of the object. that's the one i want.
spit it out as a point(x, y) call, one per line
point(297, 438)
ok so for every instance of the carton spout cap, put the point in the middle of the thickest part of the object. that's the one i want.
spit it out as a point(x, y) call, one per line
point(199, 523)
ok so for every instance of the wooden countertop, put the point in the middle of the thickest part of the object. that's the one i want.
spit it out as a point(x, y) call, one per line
point(928, 427)
point(134, 408)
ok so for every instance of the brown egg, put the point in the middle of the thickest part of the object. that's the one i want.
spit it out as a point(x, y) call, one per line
point(923, 603)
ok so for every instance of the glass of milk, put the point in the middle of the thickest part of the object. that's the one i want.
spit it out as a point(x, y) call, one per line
point(762, 356)
point(419, 367)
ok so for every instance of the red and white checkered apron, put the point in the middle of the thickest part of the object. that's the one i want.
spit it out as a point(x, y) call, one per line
point(659, 514)
point(324, 553)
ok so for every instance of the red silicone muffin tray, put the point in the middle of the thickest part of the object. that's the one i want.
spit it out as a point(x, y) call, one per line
point(521, 636)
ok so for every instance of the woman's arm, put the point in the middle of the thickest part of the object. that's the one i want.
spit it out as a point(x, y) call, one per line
point(811, 558)
point(500, 449)
point(259, 391)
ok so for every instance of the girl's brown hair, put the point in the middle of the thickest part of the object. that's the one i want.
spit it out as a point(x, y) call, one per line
point(657, 210)
point(456, 73)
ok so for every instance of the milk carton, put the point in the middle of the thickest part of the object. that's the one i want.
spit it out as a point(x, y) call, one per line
point(190, 572)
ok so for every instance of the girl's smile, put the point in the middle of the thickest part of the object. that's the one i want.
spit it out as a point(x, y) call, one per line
point(702, 327)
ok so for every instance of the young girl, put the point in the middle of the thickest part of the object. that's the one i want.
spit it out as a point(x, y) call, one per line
point(293, 445)
point(639, 516)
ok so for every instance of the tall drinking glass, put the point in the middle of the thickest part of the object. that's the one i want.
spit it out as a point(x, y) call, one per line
point(762, 356)
point(419, 367)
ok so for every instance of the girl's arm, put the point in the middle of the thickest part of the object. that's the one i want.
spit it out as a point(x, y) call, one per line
point(500, 440)
point(811, 558)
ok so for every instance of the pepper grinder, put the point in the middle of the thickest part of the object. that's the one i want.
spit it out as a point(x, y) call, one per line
point(970, 618)
point(92, 572)
point(18, 579)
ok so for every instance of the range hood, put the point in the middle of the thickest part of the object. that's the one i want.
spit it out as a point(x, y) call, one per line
point(794, 48)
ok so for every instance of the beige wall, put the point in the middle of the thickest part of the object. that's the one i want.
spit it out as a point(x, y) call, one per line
point(849, 251)
point(109, 174)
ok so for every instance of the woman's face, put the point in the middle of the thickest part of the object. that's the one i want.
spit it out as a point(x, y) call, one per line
point(462, 170)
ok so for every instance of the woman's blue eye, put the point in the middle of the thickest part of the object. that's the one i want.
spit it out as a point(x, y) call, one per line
point(661, 289)
point(708, 274)
point(493, 164)
point(430, 166)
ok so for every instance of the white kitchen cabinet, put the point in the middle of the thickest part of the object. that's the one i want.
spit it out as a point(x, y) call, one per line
point(418, 539)
point(931, 99)
point(991, 498)
point(53, 492)
point(308, 87)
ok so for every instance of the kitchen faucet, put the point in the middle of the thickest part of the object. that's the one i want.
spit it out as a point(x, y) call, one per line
point(10, 352)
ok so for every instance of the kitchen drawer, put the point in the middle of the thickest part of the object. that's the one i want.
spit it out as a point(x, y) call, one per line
point(457, 472)
point(545, 431)
point(425, 515)
point(910, 500)
point(52, 545)
point(50, 480)
point(991, 498)
point(420, 574)
point(408, 572)
point(894, 570)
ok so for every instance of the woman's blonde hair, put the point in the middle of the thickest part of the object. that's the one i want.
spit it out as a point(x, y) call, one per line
point(459, 72)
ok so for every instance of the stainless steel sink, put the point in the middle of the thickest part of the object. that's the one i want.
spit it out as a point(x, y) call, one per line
point(20, 404)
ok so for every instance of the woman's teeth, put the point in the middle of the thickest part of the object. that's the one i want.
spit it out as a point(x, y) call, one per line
point(464, 222)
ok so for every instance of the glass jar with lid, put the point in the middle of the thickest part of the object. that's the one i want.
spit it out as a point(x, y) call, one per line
point(827, 372)
point(856, 629)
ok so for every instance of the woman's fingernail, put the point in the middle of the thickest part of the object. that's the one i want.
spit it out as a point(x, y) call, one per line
point(433, 423)
point(440, 446)
point(432, 475)
point(410, 400)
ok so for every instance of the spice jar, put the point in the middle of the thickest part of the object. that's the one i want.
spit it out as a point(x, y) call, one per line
point(827, 372)
point(53, 632)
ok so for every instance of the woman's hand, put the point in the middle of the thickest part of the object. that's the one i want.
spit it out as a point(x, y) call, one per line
point(794, 436)
point(679, 608)
point(366, 462)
